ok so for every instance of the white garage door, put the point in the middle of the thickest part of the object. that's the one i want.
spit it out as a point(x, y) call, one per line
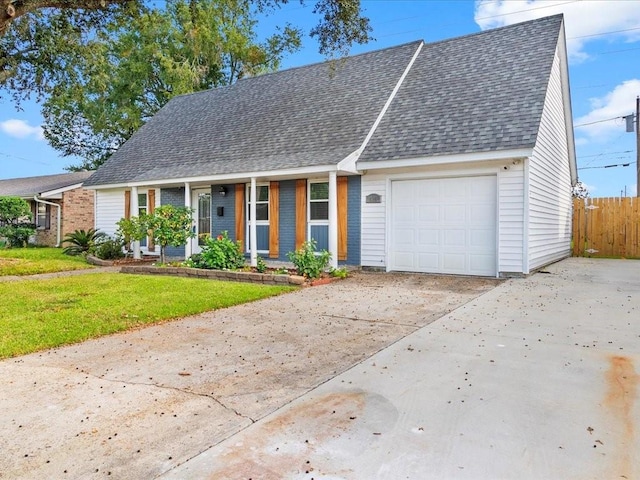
point(444, 225)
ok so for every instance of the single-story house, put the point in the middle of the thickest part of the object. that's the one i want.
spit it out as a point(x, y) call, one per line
point(450, 157)
point(59, 203)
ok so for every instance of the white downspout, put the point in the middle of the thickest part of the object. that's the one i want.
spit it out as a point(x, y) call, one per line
point(59, 217)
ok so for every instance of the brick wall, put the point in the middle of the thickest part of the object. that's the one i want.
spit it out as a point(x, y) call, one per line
point(77, 210)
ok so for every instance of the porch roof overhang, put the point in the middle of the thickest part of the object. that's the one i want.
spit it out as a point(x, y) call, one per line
point(344, 167)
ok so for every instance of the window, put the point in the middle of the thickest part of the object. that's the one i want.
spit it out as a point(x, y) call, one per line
point(42, 216)
point(142, 203)
point(262, 203)
point(262, 217)
point(319, 201)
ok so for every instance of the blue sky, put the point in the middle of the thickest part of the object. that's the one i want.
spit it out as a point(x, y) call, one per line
point(604, 58)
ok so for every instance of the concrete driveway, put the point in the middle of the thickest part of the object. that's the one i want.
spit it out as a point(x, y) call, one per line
point(139, 404)
point(536, 379)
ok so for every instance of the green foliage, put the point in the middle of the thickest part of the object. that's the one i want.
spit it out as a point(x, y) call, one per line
point(102, 72)
point(339, 272)
point(132, 229)
point(82, 242)
point(32, 261)
point(48, 313)
point(308, 262)
point(261, 266)
point(17, 235)
point(221, 253)
point(169, 226)
point(109, 249)
point(15, 227)
point(13, 210)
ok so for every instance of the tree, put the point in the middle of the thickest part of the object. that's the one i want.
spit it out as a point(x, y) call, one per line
point(15, 217)
point(129, 71)
point(170, 226)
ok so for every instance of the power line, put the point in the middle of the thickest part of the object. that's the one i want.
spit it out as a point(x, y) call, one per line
point(597, 121)
point(604, 33)
point(609, 166)
point(605, 153)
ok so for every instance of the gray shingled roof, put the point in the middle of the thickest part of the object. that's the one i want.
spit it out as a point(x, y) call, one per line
point(30, 186)
point(478, 93)
point(307, 116)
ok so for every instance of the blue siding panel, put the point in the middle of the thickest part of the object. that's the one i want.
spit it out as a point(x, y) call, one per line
point(320, 233)
point(175, 197)
point(262, 234)
point(287, 219)
point(227, 222)
point(354, 220)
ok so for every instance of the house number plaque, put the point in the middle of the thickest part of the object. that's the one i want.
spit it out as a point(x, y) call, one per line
point(374, 198)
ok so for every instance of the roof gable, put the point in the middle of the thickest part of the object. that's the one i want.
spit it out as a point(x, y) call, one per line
point(478, 93)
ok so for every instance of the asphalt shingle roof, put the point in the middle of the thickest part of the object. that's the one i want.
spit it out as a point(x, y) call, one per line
point(30, 186)
point(307, 116)
point(477, 93)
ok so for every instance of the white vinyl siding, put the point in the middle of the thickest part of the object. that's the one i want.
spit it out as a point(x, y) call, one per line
point(550, 182)
point(109, 210)
point(374, 222)
point(511, 219)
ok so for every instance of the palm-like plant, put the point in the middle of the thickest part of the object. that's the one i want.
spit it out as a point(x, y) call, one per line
point(81, 241)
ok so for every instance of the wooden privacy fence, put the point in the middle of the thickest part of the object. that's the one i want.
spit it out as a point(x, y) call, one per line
point(606, 227)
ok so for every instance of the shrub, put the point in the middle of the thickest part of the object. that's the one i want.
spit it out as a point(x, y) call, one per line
point(261, 266)
point(222, 253)
point(308, 262)
point(17, 235)
point(109, 249)
point(82, 241)
point(339, 272)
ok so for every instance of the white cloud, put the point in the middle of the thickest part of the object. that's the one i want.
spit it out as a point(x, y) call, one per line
point(582, 18)
point(619, 102)
point(21, 129)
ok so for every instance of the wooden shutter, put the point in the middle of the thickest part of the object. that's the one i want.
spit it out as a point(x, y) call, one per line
point(240, 209)
point(301, 212)
point(343, 208)
point(274, 220)
point(127, 204)
point(151, 206)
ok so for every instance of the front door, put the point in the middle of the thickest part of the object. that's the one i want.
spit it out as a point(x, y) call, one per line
point(201, 202)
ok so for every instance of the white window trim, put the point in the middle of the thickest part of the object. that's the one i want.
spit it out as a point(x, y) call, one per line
point(247, 206)
point(310, 223)
point(145, 192)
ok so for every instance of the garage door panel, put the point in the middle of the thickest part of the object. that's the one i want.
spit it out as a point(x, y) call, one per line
point(454, 213)
point(444, 225)
point(428, 237)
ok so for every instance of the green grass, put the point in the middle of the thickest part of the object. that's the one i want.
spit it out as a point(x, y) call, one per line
point(33, 260)
point(37, 315)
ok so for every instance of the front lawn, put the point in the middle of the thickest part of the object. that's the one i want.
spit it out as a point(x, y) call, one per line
point(37, 315)
point(33, 260)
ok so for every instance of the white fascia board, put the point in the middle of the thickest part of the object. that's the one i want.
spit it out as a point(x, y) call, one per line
point(349, 163)
point(57, 193)
point(291, 173)
point(566, 99)
point(445, 159)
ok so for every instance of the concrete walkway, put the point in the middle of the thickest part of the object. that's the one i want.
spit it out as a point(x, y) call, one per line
point(138, 404)
point(536, 379)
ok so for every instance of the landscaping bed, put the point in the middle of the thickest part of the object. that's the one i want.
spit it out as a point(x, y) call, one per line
point(236, 276)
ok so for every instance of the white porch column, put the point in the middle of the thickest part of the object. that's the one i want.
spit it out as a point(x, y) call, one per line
point(135, 213)
point(333, 219)
point(253, 231)
point(188, 247)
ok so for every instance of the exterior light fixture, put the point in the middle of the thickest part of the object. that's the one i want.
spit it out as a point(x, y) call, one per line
point(222, 191)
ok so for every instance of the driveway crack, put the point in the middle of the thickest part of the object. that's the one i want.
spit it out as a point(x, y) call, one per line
point(382, 322)
point(175, 389)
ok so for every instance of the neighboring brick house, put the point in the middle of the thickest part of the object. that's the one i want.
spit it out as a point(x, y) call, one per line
point(51, 197)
